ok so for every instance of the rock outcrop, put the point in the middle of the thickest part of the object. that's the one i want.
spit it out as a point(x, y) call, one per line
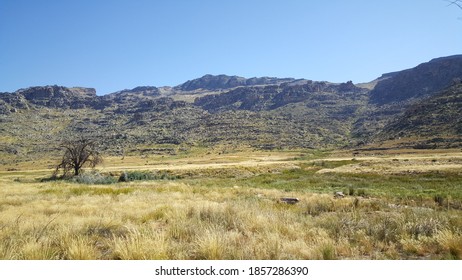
point(222, 82)
point(421, 81)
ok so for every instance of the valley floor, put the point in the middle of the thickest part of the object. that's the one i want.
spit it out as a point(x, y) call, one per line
point(396, 205)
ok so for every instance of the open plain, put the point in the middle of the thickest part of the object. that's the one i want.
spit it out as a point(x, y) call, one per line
point(395, 204)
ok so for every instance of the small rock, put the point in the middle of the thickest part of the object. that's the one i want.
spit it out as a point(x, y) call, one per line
point(290, 200)
point(339, 195)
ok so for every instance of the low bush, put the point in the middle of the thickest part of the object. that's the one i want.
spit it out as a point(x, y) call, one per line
point(128, 176)
point(93, 178)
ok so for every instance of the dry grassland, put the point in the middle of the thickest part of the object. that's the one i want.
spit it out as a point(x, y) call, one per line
point(228, 207)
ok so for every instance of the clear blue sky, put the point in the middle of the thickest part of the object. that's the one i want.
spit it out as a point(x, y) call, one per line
point(119, 44)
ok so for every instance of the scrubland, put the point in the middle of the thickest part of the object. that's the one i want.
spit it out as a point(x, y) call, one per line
point(406, 206)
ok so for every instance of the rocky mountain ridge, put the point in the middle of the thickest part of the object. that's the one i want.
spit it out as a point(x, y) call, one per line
point(437, 118)
point(421, 104)
point(275, 96)
point(418, 82)
point(220, 82)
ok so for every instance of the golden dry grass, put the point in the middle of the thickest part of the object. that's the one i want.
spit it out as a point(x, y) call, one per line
point(206, 218)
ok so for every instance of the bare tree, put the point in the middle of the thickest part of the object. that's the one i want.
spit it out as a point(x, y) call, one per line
point(77, 154)
point(457, 3)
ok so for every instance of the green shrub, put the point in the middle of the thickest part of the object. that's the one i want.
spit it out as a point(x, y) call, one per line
point(135, 176)
point(361, 192)
point(351, 191)
point(328, 252)
point(439, 199)
point(128, 176)
point(93, 178)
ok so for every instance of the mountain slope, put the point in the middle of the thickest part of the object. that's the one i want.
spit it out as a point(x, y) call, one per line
point(418, 82)
point(275, 96)
point(220, 82)
point(437, 120)
point(310, 115)
point(52, 97)
point(397, 91)
point(230, 111)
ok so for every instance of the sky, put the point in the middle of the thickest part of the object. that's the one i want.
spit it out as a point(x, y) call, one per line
point(121, 44)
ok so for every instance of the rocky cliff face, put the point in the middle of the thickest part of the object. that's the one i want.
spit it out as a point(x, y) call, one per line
point(146, 91)
point(418, 82)
point(59, 97)
point(51, 97)
point(274, 96)
point(220, 82)
point(437, 119)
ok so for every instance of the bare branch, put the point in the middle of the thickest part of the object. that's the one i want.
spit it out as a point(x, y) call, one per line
point(457, 3)
point(77, 154)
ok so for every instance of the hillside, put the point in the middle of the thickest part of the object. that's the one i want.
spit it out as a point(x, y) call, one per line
point(272, 97)
point(220, 82)
point(393, 93)
point(230, 112)
point(134, 121)
point(435, 121)
point(418, 82)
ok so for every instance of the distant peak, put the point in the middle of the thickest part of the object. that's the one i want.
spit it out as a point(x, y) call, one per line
point(144, 90)
point(51, 90)
point(452, 57)
point(218, 82)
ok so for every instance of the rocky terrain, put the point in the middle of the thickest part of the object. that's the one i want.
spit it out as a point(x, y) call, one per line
point(436, 118)
point(422, 105)
point(220, 82)
point(421, 81)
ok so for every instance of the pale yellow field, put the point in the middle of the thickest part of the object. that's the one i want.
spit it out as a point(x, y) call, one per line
point(224, 217)
point(401, 163)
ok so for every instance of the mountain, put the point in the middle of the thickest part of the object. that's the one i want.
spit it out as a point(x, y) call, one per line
point(220, 82)
point(418, 82)
point(435, 121)
point(52, 97)
point(395, 92)
point(421, 106)
point(143, 91)
point(275, 96)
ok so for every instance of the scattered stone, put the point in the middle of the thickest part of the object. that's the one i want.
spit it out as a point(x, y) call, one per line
point(290, 200)
point(339, 195)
